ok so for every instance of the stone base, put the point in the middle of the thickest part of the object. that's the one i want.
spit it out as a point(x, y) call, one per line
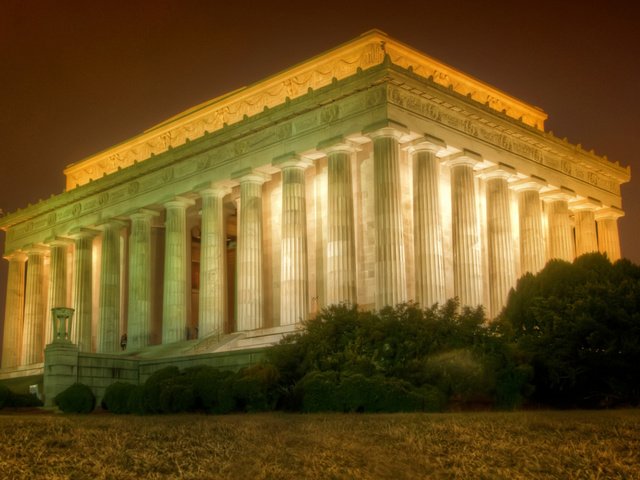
point(60, 370)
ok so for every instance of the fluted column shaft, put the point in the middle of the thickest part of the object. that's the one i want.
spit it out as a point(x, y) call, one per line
point(14, 311)
point(249, 283)
point(176, 268)
point(532, 248)
point(57, 282)
point(499, 240)
point(341, 252)
point(608, 236)
point(586, 236)
point(82, 290)
point(139, 308)
point(109, 319)
point(429, 260)
point(561, 243)
point(390, 272)
point(213, 264)
point(467, 272)
point(34, 308)
point(294, 303)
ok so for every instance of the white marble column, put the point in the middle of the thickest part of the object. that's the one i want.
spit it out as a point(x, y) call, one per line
point(467, 269)
point(82, 288)
point(14, 311)
point(427, 234)
point(139, 307)
point(109, 313)
point(59, 248)
point(213, 263)
point(391, 287)
point(341, 250)
point(586, 235)
point(177, 257)
point(532, 247)
point(561, 241)
point(250, 301)
point(502, 275)
point(34, 307)
point(608, 237)
point(294, 297)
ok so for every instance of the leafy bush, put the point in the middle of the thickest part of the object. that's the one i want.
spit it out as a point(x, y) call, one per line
point(78, 398)
point(255, 388)
point(135, 402)
point(210, 385)
point(317, 392)
point(5, 396)
point(24, 400)
point(176, 395)
point(116, 397)
point(153, 388)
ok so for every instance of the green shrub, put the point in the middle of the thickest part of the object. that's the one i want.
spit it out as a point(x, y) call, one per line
point(78, 398)
point(208, 384)
point(116, 397)
point(176, 395)
point(24, 400)
point(135, 402)
point(255, 388)
point(317, 392)
point(5, 396)
point(153, 388)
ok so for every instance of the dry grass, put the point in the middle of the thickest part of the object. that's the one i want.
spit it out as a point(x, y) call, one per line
point(563, 445)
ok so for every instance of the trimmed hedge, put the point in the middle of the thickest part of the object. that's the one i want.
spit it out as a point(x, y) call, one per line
point(78, 398)
point(5, 396)
point(117, 396)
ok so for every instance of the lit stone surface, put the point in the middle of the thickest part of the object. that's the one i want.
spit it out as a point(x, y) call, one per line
point(109, 308)
point(397, 207)
point(249, 286)
point(340, 252)
point(139, 307)
point(499, 237)
point(213, 269)
point(174, 305)
point(83, 289)
point(467, 271)
point(14, 311)
point(429, 259)
point(391, 287)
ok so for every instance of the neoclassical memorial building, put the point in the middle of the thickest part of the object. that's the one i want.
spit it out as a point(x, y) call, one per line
point(371, 174)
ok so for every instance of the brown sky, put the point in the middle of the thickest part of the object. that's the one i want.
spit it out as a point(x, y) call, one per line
point(79, 76)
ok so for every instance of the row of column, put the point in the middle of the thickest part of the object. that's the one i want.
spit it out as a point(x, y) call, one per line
point(25, 307)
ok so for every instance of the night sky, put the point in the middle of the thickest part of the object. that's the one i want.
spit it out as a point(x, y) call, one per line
point(79, 77)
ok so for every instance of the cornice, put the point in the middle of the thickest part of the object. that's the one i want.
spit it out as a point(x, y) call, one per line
point(369, 50)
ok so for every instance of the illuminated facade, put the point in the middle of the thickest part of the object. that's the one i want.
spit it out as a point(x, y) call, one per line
point(371, 174)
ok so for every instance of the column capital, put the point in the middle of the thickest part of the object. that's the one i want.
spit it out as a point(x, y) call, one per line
point(111, 222)
point(58, 241)
point(144, 213)
point(338, 144)
point(609, 213)
point(562, 193)
point(466, 157)
point(291, 160)
point(16, 256)
point(586, 204)
point(249, 175)
point(426, 143)
point(531, 183)
point(502, 170)
point(216, 191)
point(386, 128)
point(182, 202)
point(36, 248)
point(78, 233)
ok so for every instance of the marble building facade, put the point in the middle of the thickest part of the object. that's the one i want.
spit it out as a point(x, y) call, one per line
point(371, 174)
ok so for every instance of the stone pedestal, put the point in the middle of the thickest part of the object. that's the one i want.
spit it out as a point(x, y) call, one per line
point(427, 233)
point(60, 369)
point(14, 311)
point(467, 271)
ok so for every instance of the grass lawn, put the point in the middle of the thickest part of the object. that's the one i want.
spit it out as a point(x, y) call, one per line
point(536, 444)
